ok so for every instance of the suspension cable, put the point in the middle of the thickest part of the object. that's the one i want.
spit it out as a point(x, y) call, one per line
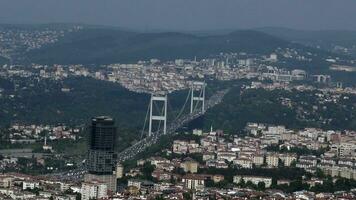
point(185, 103)
point(169, 107)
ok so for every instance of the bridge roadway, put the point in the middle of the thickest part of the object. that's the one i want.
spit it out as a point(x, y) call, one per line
point(141, 145)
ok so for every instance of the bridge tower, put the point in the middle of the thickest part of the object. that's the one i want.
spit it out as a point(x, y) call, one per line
point(197, 87)
point(161, 116)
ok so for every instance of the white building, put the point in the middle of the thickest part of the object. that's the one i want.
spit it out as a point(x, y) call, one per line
point(254, 179)
point(94, 190)
point(119, 170)
point(273, 57)
point(30, 185)
point(135, 183)
point(287, 158)
point(272, 160)
point(243, 162)
point(258, 159)
point(347, 148)
point(193, 182)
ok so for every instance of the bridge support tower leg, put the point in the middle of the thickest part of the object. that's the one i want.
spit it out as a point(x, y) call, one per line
point(197, 88)
point(160, 116)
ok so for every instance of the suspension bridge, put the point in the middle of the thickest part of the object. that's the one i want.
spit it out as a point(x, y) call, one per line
point(157, 112)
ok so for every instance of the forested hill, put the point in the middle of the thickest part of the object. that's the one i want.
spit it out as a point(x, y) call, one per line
point(343, 37)
point(46, 103)
point(102, 45)
point(262, 106)
point(330, 40)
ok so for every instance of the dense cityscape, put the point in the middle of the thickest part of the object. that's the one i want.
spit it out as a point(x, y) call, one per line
point(97, 112)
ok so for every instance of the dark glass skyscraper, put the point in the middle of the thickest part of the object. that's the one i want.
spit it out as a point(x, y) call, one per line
point(101, 155)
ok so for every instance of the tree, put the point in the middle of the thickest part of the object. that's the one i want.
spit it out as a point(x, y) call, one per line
point(242, 183)
point(187, 196)
point(297, 186)
point(261, 186)
point(319, 173)
point(280, 163)
point(274, 182)
point(160, 197)
point(147, 170)
point(293, 163)
point(249, 184)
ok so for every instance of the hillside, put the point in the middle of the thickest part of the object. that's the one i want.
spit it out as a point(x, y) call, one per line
point(44, 103)
point(100, 46)
point(265, 107)
point(332, 36)
point(329, 40)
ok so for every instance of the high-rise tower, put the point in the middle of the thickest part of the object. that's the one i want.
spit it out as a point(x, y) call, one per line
point(101, 160)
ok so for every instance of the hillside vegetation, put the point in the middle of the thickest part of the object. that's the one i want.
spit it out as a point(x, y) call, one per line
point(100, 46)
point(343, 37)
point(264, 106)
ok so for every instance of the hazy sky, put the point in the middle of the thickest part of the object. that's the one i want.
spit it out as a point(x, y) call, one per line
point(185, 14)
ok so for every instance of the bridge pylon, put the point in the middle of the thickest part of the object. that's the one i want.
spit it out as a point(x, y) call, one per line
point(197, 87)
point(161, 116)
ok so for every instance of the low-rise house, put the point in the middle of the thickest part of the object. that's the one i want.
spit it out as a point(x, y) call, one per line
point(180, 147)
point(193, 182)
point(305, 165)
point(5, 181)
point(312, 182)
point(288, 158)
point(347, 162)
point(217, 178)
point(226, 155)
point(94, 190)
point(156, 160)
point(190, 165)
point(133, 172)
point(208, 156)
point(161, 175)
point(254, 179)
point(219, 164)
point(165, 166)
point(30, 185)
point(272, 160)
point(283, 182)
point(258, 159)
point(327, 160)
point(312, 160)
point(243, 162)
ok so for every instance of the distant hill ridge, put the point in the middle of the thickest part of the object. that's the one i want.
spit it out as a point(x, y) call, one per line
point(343, 37)
point(103, 45)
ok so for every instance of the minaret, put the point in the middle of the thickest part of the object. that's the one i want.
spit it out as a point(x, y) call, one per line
point(45, 146)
